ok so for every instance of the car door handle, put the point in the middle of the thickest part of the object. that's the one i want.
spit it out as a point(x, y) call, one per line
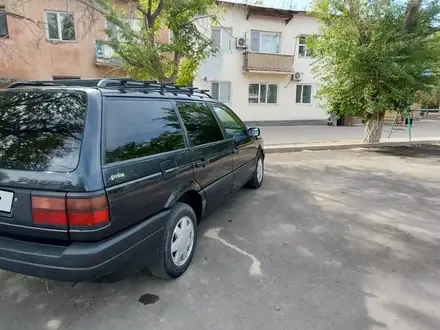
point(202, 163)
point(169, 169)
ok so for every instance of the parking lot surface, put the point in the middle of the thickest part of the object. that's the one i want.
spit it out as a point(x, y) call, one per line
point(333, 240)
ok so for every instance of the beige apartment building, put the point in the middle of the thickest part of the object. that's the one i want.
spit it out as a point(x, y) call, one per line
point(263, 69)
point(53, 39)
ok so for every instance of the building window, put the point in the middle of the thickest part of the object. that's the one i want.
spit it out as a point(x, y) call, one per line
point(65, 77)
point(116, 32)
point(134, 24)
point(221, 91)
point(222, 38)
point(304, 94)
point(60, 26)
point(302, 47)
point(263, 93)
point(3, 23)
point(265, 42)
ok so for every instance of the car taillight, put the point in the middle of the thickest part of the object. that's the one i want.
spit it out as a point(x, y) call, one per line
point(83, 212)
point(75, 212)
point(49, 211)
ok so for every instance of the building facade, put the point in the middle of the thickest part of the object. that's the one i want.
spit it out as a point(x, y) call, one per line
point(53, 39)
point(263, 68)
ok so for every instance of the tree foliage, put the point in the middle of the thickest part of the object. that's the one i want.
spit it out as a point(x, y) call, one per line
point(143, 47)
point(375, 55)
point(431, 100)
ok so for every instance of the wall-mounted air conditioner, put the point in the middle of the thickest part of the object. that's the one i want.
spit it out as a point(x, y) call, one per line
point(240, 43)
point(297, 76)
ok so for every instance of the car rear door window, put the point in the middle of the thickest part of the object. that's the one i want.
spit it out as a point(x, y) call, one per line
point(41, 130)
point(200, 123)
point(138, 127)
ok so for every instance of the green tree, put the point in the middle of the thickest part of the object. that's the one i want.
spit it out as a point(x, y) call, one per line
point(142, 48)
point(375, 55)
point(431, 100)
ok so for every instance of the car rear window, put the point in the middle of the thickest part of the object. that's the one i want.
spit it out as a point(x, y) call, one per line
point(41, 130)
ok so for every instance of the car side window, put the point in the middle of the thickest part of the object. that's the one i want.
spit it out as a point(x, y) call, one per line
point(200, 123)
point(234, 127)
point(138, 127)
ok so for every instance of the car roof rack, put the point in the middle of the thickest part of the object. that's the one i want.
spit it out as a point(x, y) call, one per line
point(119, 84)
point(150, 85)
point(60, 82)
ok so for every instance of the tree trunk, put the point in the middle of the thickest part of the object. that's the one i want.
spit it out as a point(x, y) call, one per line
point(373, 128)
point(412, 8)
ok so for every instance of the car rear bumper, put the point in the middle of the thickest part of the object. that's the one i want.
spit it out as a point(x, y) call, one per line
point(85, 261)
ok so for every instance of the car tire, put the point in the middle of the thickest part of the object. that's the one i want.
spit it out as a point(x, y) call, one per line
point(182, 223)
point(257, 178)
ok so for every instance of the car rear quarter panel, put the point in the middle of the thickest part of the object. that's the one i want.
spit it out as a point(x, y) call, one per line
point(141, 188)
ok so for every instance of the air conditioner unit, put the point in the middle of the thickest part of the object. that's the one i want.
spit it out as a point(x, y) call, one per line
point(297, 76)
point(240, 43)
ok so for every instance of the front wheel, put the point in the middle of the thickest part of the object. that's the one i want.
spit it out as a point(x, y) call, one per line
point(257, 178)
point(178, 244)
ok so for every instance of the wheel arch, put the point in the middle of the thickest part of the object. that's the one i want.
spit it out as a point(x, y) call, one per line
point(193, 197)
point(261, 151)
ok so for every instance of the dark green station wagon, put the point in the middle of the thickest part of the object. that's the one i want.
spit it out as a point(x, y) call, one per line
point(97, 175)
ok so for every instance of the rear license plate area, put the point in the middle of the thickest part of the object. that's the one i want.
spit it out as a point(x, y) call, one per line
point(6, 198)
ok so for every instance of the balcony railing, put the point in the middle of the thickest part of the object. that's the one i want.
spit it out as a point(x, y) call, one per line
point(271, 63)
point(105, 55)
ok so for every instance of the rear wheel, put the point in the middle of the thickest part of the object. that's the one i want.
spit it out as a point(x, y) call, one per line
point(258, 176)
point(178, 244)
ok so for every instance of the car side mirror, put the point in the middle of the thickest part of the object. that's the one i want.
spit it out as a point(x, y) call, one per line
point(253, 131)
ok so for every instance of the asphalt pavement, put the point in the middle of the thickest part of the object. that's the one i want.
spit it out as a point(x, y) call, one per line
point(333, 240)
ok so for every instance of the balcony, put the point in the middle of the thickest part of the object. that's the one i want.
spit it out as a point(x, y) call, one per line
point(105, 55)
point(267, 63)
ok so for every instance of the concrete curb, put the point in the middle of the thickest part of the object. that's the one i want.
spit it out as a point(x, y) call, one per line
point(272, 149)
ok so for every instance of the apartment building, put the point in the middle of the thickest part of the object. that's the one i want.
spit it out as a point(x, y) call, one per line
point(263, 68)
point(53, 39)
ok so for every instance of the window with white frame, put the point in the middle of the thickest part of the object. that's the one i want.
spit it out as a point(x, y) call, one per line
point(134, 23)
point(303, 94)
point(222, 38)
point(221, 91)
point(263, 93)
point(302, 47)
point(265, 42)
point(60, 26)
